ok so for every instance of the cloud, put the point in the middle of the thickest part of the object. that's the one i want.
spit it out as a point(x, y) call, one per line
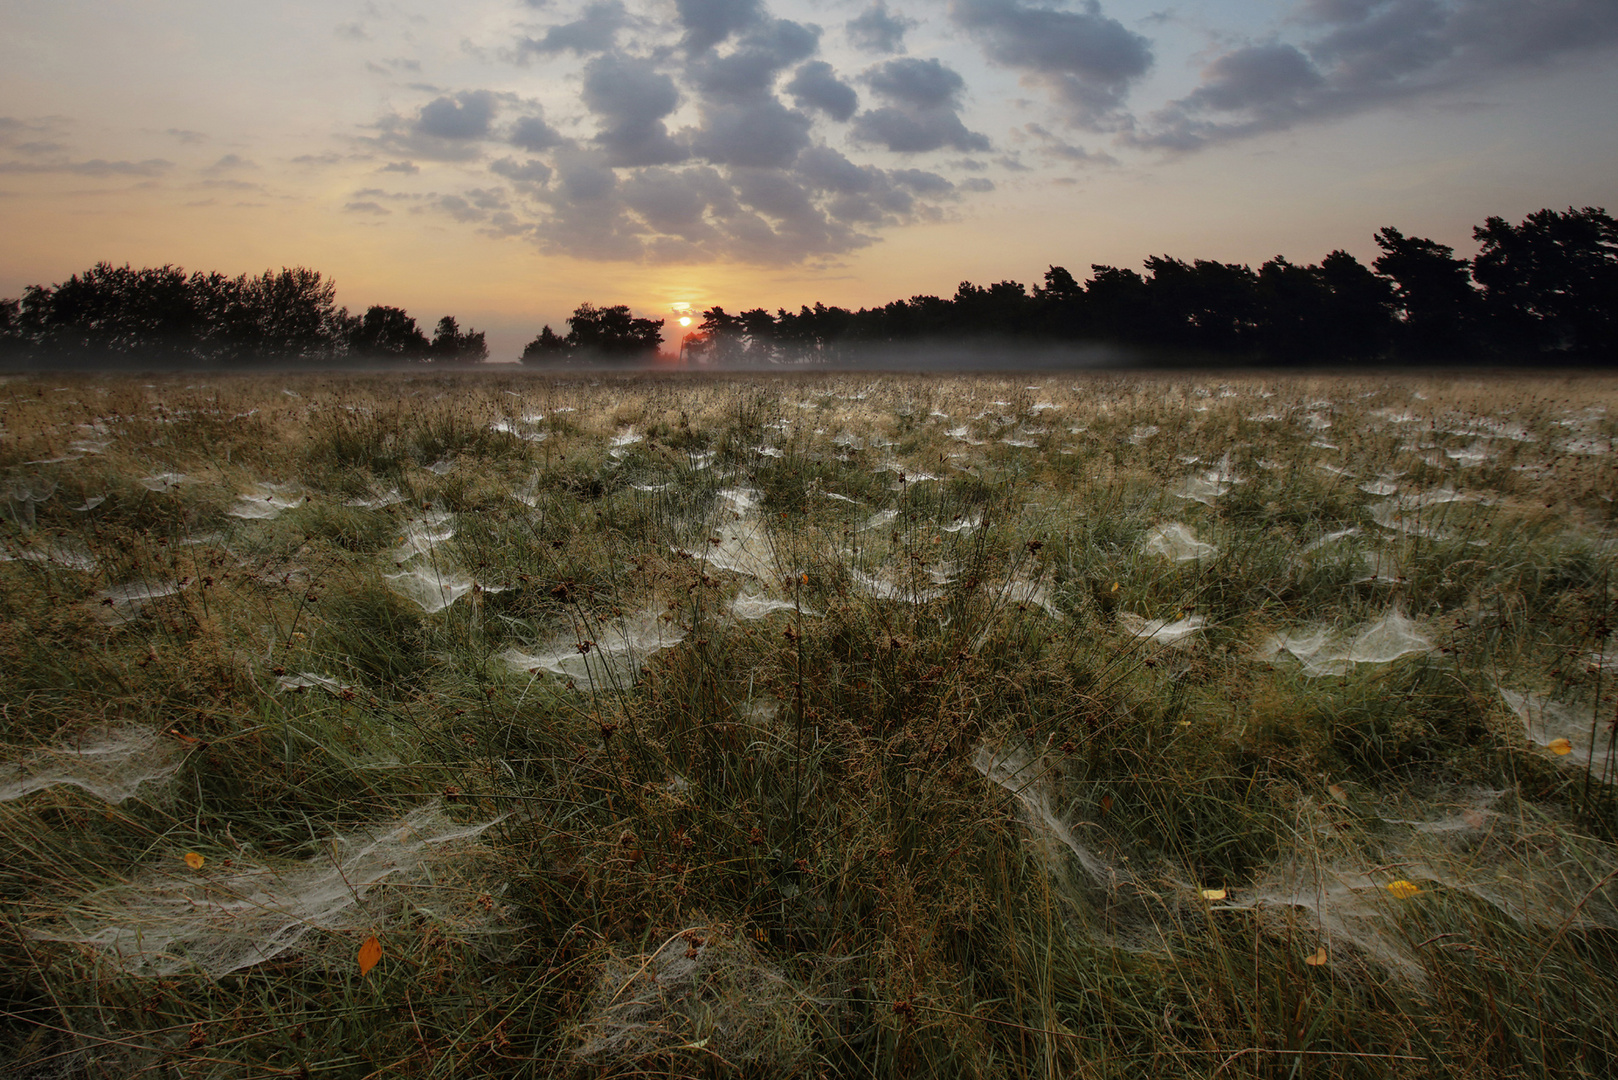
point(816, 86)
point(709, 22)
point(186, 136)
point(532, 171)
point(1055, 147)
point(1367, 53)
point(632, 98)
point(596, 30)
point(451, 127)
point(533, 134)
point(366, 208)
point(916, 131)
point(923, 84)
point(749, 71)
point(229, 162)
point(877, 31)
point(676, 202)
point(748, 180)
point(1084, 59)
point(97, 167)
point(763, 134)
point(465, 116)
point(351, 31)
point(922, 117)
point(409, 168)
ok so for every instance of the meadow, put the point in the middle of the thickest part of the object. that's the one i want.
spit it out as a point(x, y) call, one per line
point(826, 725)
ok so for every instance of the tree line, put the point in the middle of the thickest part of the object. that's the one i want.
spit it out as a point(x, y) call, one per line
point(1544, 290)
point(164, 315)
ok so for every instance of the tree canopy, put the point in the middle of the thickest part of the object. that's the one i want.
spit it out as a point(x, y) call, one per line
point(610, 333)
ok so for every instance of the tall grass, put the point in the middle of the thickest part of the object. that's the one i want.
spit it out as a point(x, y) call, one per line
point(941, 812)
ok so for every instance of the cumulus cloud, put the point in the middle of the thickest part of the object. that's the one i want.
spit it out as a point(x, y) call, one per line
point(532, 171)
point(747, 177)
point(922, 117)
point(1361, 54)
point(448, 128)
point(594, 31)
point(1085, 60)
point(709, 22)
point(816, 86)
point(408, 168)
point(631, 97)
point(749, 71)
point(877, 30)
point(465, 116)
point(764, 134)
point(923, 84)
point(533, 134)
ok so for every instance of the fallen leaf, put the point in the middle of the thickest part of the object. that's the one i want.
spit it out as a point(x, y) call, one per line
point(1106, 804)
point(1213, 894)
point(370, 953)
point(1404, 890)
point(194, 861)
point(1114, 587)
point(1317, 959)
point(1559, 747)
point(1338, 792)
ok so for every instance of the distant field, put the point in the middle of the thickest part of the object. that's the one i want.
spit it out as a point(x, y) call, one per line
point(842, 725)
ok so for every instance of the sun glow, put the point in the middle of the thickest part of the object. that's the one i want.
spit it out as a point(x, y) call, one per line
point(685, 320)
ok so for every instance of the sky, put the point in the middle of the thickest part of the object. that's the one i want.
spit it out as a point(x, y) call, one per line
point(505, 160)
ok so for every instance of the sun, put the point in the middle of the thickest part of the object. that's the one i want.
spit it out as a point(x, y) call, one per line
point(683, 311)
point(685, 320)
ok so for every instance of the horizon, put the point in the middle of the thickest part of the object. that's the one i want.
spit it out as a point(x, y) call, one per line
point(504, 161)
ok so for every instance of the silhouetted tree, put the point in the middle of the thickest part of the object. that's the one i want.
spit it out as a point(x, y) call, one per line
point(546, 348)
point(451, 344)
point(1550, 285)
point(612, 331)
point(1438, 307)
point(388, 333)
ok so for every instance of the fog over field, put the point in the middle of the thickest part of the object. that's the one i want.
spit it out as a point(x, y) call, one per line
point(613, 723)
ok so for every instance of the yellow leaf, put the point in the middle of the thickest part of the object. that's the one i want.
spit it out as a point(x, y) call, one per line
point(1317, 959)
point(1559, 747)
point(1213, 894)
point(1338, 792)
point(194, 861)
point(370, 953)
point(1114, 587)
point(1404, 890)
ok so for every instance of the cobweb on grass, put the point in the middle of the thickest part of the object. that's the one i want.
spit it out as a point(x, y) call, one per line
point(1566, 726)
point(1177, 633)
point(751, 604)
point(612, 658)
point(266, 501)
point(706, 990)
point(429, 588)
point(64, 551)
point(1176, 542)
point(1323, 651)
point(1477, 843)
point(120, 604)
point(168, 919)
point(740, 543)
point(111, 765)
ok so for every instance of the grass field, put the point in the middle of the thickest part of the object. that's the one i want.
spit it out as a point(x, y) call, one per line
point(831, 725)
